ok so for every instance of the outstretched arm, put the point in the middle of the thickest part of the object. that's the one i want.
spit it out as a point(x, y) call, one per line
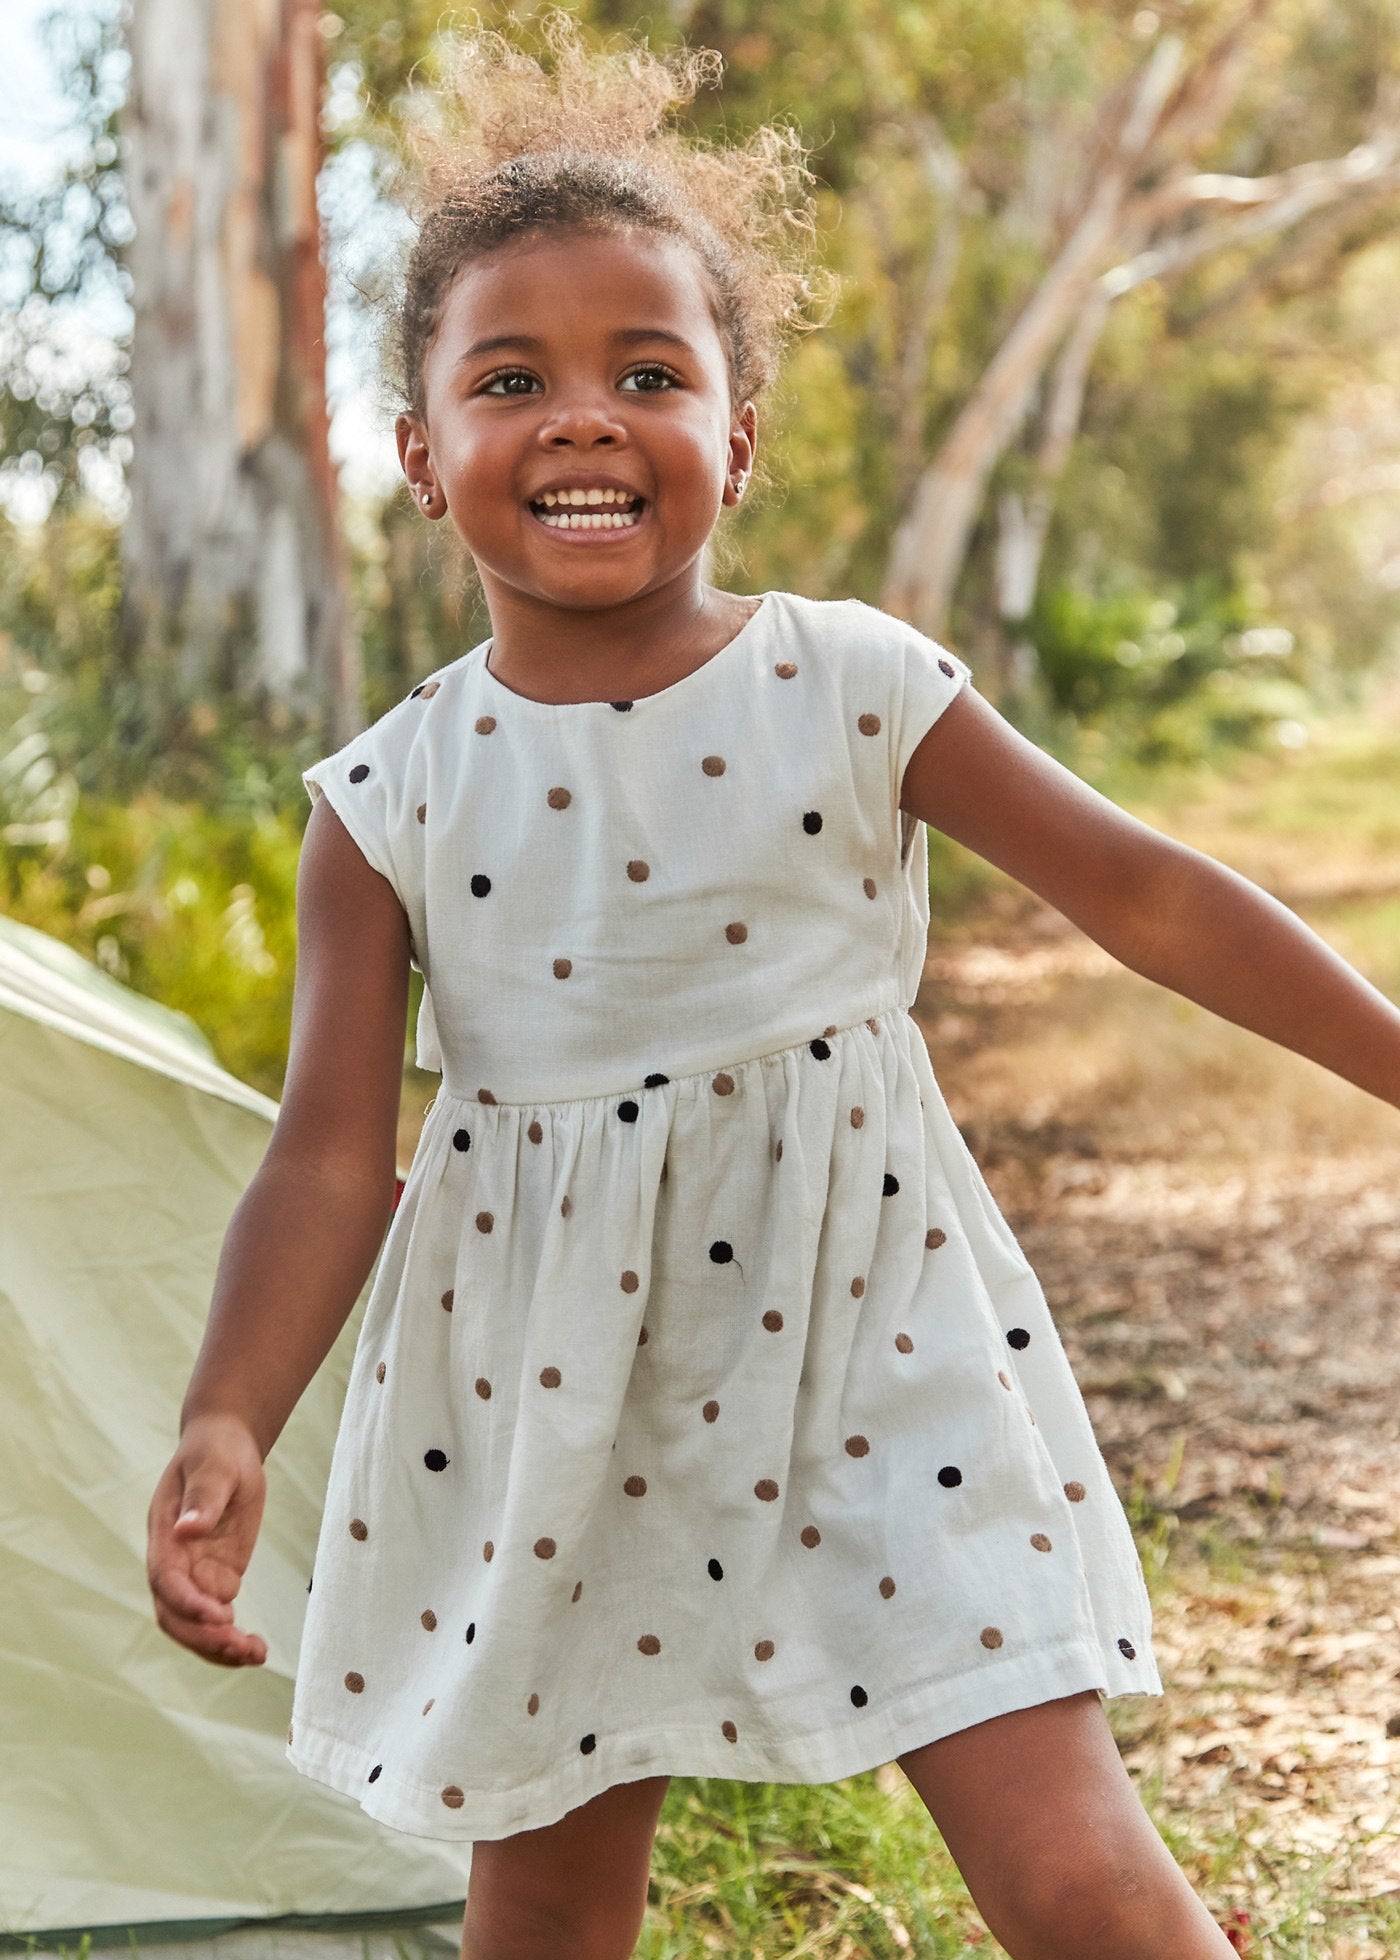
point(1167, 911)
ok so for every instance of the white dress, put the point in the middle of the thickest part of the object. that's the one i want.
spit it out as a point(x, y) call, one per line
point(706, 1417)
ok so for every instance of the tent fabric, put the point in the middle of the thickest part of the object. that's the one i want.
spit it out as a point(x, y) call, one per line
point(144, 1787)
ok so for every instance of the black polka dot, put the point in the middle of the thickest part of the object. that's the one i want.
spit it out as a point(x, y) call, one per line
point(461, 1140)
point(628, 1111)
point(1127, 1650)
point(812, 822)
point(721, 1252)
point(374, 1773)
point(1018, 1337)
point(947, 668)
point(471, 1633)
point(481, 884)
point(715, 1569)
point(590, 1742)
point(622, 706)
point(435, 1460)
point(891, 1184)
point(416, 691)
point(359, 772)
point(820, 1049)
point(950, 1476)
point(655, 1081)
point(859, 1697)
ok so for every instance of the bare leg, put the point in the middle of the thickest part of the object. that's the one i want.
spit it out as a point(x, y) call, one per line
point(577, 1887)
point(1052, 1840)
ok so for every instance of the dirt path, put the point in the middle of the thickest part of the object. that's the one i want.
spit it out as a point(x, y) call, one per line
point(1217, 1226)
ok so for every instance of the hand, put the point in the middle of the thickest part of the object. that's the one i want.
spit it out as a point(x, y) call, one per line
point(201, 1527)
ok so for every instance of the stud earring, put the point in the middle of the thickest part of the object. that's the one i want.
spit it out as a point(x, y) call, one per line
point(427, 496)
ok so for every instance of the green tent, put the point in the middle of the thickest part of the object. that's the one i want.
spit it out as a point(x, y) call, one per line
point(145, 1789)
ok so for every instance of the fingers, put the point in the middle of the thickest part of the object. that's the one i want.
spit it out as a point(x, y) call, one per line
point(225, 1646)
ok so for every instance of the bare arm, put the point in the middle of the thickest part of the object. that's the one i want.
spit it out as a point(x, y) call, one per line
point(1163, 909)
point(305, 1233)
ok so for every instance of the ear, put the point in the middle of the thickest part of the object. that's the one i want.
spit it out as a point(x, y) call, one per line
point(412, 440)
point(743, 447)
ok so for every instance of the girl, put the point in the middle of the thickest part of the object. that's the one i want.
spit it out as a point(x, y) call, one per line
point(706, 1417)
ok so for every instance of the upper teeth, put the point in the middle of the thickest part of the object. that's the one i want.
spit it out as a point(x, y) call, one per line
point(580, 497)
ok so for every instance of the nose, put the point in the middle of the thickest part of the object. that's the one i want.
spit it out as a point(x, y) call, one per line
point(582, 419)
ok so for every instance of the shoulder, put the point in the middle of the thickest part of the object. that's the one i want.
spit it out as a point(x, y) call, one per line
point(861, 639)
point(410, 728)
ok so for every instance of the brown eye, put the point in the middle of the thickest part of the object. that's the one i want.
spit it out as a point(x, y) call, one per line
point(500, 384)
point(650, 379)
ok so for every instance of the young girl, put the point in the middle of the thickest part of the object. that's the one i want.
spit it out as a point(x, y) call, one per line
point(706, 1417)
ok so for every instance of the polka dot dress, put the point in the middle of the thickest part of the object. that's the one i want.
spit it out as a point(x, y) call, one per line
point(706, 1417)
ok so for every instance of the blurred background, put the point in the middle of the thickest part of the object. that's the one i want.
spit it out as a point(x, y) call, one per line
point(1109, 400)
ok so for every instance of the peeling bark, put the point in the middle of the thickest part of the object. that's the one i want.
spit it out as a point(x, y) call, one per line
point(235, 578)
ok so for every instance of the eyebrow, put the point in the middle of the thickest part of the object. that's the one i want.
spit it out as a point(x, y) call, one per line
point(626, 336)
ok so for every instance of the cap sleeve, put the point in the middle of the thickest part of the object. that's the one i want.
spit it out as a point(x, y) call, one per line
point(370, 785)
point(929, 679)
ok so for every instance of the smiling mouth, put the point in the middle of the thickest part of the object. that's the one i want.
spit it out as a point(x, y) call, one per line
point(588, 510)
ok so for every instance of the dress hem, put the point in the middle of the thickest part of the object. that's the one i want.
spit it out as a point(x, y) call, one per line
point(822, 1756)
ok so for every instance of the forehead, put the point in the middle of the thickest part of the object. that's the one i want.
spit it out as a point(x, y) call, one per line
point(581, 284)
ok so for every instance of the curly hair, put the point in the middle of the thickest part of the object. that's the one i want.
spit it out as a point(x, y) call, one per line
point(583, 146)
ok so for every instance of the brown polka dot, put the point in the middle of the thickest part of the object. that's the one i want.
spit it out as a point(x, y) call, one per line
point(427, 689)
point(869, 724)
point(576, 1594)
point(535, 1133)
point(827, 1031)
point(935, 1238)
point(867, 885)
point(857, 1287)
point(428, 1703)
point(638, 870)
point(1040, 1541)
point(483, 1388)
point(447, 1300)
point(778, 1151)
point(562, 969)
point(857, 1118)
point(887, 1587)
point(532, 1706)
point(785, 670)
point(874, 1026)
point(773, 1321)
point(630, 1282)
point(485, 1096)
point(566, 1205)
point(359, 1529)
point(1075, 1492)
point(559, 799)
point(713, 765)
point(904, 1344)
point(857, 1446)
point(736, 932)
point(379, 1372)
point(729, 1732)
point(550, 1378)
point(484, 724)
point(991, 1636)
point(422, 813)
point(648, 1644)
point(453, 1797)
point(636, 1486)
point(766, 1489)
point(1001, 1377)
point(722, 1084)
point(810, 1536)
point(642, 1338)
point(710, 1411)
point(545, 1548)
point(484, 1221)
point(429, 1619)
point(763, 1651)
point(488, 1551)
point(355, 1683)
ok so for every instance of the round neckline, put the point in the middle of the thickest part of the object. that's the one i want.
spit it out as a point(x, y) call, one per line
point(759, 612)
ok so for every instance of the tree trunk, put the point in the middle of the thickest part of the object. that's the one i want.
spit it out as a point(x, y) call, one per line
point(235, 574)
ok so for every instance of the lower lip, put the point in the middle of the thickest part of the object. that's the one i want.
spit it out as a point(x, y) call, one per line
point(590, 534)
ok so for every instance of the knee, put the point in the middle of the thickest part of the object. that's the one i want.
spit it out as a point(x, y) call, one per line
point(522, 1931)
point(1083, 1904)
